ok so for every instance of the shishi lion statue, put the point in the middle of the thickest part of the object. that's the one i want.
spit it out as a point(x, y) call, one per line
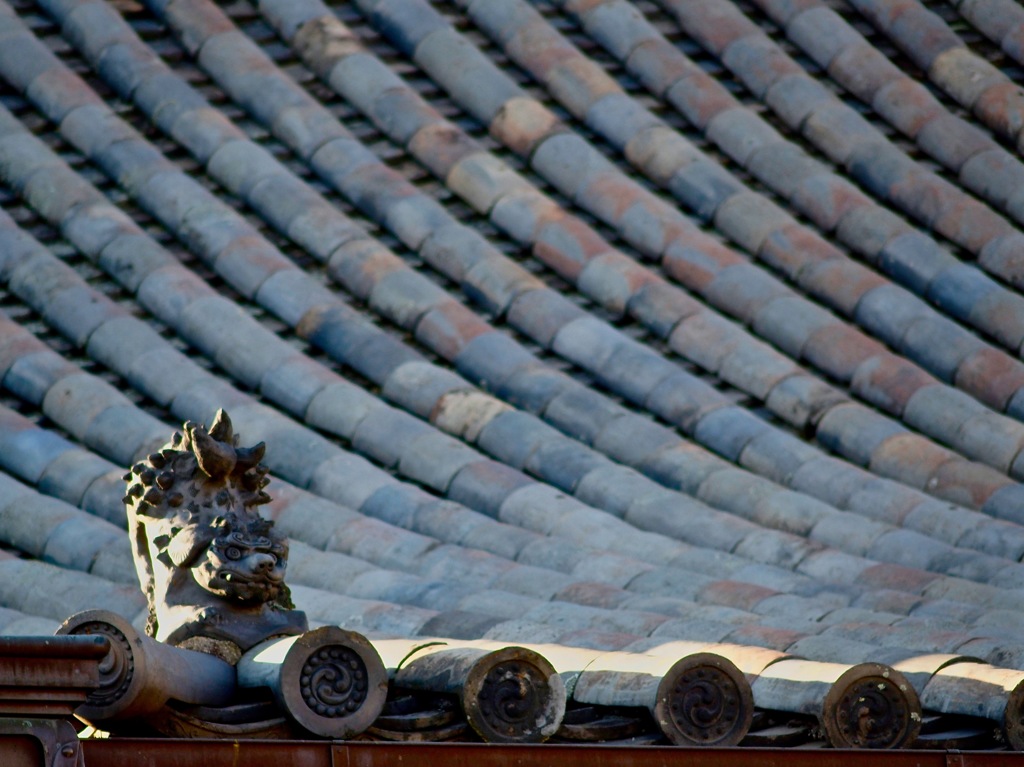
point(211, 567)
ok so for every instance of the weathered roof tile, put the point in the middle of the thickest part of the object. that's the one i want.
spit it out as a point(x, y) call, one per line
point(914, 260)
point(952, 141)
point(802, 399)
point(703, 186)
point(827, 199)
point(485, 484)
point(862, 69)
point(939, 346)
point(792, 247)
point(461, 67)
point(532, 387)
point(839, 350)
point(727, 431)
point(903, 455)
point(631, 438)
point(844, 283)
point(375, 434)
point(993, 440)
point(613, 280)
point(618, 117)
point(690, 521)
point(512, 437)
point(681, 398)
point(563, 463)
point(434, 459)
point(749, 219)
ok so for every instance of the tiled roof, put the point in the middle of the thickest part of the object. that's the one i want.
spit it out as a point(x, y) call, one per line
point(590, 322)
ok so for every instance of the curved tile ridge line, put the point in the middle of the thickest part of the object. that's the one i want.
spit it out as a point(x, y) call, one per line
point(33, 266)
point(1001, 21)
point(200, 394)
point(875, 379)
point(320, 511)
point(51, 528)
point(652, 502)
point(519, 361)
point(51, 510)
point(906, 255)
point(58, 217)
point(847, 138)
point(823, 342)
point(583, 462)
point(979, 162)
point(249, 61)
point(926, 39)
point(24, 422)
point(825, 199)
point(83, 405)
point(421, 109)
point(609, 18)
point(249, 70)
point(645, 544)
point(374, 437)
point(44, 198)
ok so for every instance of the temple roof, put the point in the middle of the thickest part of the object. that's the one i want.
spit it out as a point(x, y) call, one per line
point(588, 322)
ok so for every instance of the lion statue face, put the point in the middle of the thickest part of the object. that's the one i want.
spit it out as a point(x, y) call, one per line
point(242, 564)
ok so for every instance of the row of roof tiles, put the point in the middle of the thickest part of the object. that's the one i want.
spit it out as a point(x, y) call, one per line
point(201, 345)
point(664, 537)
point(78, 403)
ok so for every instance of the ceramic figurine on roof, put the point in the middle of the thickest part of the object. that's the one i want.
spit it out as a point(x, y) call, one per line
point(211, 567)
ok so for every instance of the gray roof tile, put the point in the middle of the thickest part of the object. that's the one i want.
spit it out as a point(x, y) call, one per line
point(907, 105)
point(377, 435)
point(22, 69)
point(821, 34)
point(827, 199)
point(34, 451)
point(512, 436)
point(742, 290)
point(689, 521)
point(70, 474)
point(727, 431)
point(407, 23)
point(703, 186)
point(434, 459)
point(914, 260)
point(939, 346)
point(563, 463)
point(952, 141)
point(484, 485)
point(120, 433)
point(465, 71)
point(999, 442)
point(632, 439)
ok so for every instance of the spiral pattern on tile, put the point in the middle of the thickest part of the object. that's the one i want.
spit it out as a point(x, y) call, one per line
point(512, 694)
point(334, 681)
point(704, 700)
